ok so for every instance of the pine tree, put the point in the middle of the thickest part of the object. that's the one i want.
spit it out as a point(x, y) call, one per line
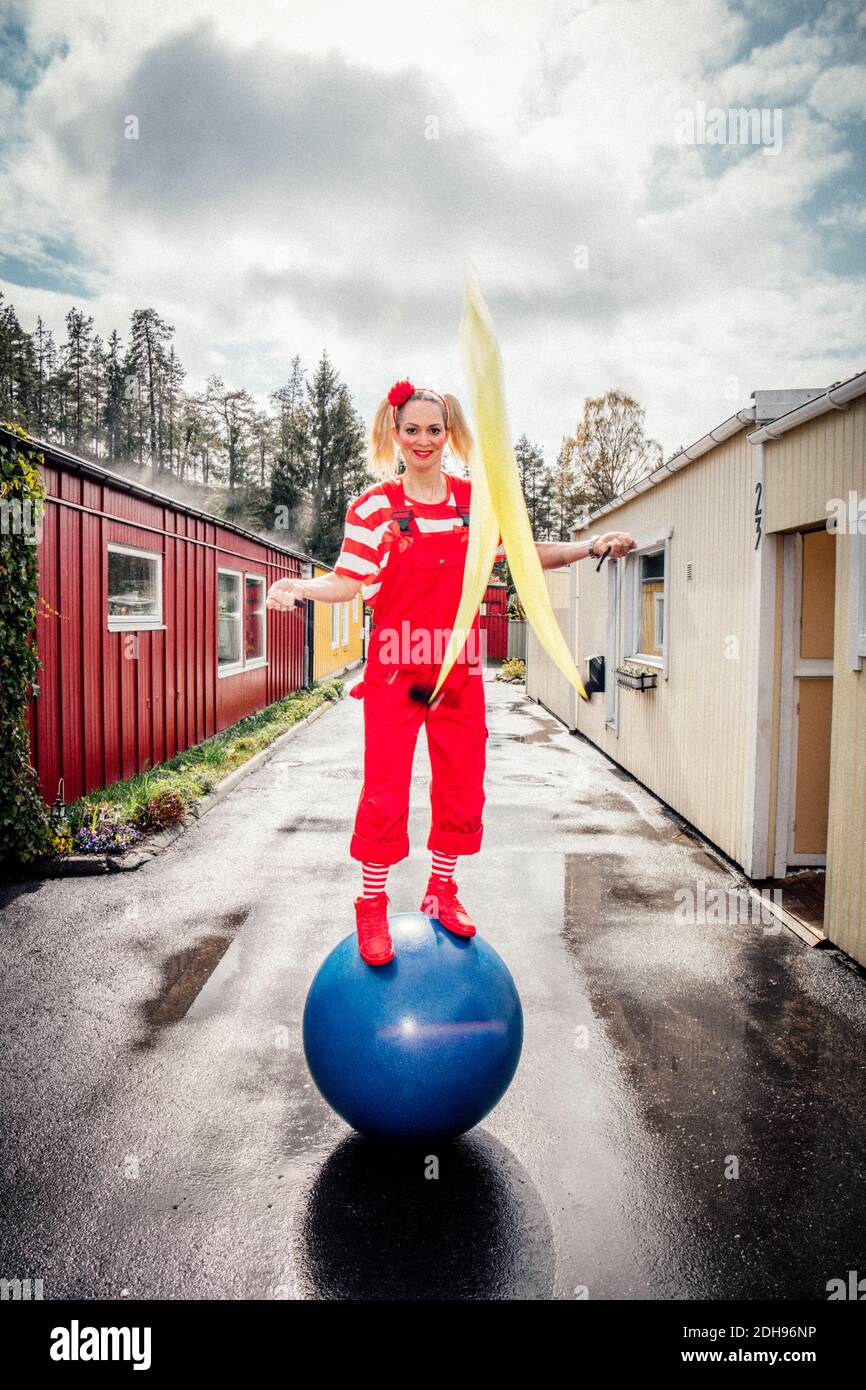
point(174, 379)
point(97, 392)
point(336, 456)
point(79, 330)
point(43, 354)
point(17, 367)
point(567, 494)
point(114, 401)
point(149, 335)
point(290, 476)
point(233, 410)
point(530, 466)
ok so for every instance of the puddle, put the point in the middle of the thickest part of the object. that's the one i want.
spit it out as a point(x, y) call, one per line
point(184, 976)
point(527, 779)
point(309, 823)
point(540, 736)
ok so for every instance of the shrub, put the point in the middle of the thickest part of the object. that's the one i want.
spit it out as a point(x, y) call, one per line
point(512, 670)
point(25, 829)
point(164, 808)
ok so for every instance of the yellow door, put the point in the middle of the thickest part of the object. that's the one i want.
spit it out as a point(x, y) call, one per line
point(813, 694)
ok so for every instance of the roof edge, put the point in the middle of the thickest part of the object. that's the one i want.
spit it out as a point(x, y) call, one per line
point(836, 397)
point(717, 435)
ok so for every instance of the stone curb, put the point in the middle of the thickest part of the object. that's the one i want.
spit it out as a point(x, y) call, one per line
point(82, 865)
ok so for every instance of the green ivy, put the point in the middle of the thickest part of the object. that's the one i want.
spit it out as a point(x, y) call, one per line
point(25, 824)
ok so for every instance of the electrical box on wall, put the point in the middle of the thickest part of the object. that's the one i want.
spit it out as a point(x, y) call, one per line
point(595, 684)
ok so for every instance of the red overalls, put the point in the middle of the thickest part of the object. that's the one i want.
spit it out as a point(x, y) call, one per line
point(416, 605)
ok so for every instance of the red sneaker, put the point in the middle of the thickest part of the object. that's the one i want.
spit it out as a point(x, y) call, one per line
point(441, 901)
point(374, 938)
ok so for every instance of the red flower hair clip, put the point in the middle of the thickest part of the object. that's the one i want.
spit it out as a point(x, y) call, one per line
point(400, 393)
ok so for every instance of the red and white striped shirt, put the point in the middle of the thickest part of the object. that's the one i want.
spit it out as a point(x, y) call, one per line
point(363, 555)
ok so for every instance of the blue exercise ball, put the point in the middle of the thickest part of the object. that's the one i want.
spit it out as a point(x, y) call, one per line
point(421, 1048)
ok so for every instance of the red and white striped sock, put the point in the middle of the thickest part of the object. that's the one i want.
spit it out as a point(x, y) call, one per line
point(443, 865)
point(375, 877)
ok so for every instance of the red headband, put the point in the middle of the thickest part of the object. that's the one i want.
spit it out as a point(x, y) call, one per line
point(402, 390)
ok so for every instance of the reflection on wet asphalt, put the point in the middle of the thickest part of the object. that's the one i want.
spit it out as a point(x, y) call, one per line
point(686, 1121)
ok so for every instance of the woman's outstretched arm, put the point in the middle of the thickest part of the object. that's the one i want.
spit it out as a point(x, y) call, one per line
point(552, 554)
point(327, 588)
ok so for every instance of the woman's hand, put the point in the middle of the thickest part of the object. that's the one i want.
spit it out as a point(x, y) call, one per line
point(620, 543)
point(285, 593)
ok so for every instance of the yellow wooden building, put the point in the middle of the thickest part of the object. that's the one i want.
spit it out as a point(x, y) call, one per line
point(338, 633)
point(745, 606)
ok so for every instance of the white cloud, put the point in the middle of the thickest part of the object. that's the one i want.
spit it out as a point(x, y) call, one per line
point(282, 196)
point(840, 93)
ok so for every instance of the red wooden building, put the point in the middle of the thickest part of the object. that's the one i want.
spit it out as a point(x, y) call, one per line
point(494, 621)
point(154, 633)
point(160, 638)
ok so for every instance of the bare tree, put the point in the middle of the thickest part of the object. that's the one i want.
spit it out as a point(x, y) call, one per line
point(610, 449)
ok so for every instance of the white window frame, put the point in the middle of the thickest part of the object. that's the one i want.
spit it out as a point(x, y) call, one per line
point(237, 668)
point(340, 617)
point(152, 622)
point(355, 602)
point(646, 545)
point(256, 661)
point(856, 600)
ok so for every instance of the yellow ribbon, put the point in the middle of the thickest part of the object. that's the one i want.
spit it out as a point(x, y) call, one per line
point(497, 503)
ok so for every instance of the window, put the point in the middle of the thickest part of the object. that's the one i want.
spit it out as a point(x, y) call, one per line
point(340, 620)
point(645, 591)
point(254, 628)
point(241, 622)
point(229, 619)
point(355, 606)
point(652, 584)
point(134, 588)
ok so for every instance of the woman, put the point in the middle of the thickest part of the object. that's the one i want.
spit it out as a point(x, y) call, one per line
point(405, 546)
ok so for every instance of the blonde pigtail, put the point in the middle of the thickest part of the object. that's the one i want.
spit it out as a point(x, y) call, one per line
point(383, 454)
point(460, 435)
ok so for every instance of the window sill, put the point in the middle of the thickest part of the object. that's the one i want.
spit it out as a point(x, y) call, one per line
point(134, 625)
point(240, 670)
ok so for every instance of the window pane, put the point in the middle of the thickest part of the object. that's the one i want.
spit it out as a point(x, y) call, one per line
point(652, 568)
point(229, 619)
point(254, 629)
point(132, 586)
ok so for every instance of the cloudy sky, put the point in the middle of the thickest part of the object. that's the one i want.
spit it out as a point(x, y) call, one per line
point(310, 175)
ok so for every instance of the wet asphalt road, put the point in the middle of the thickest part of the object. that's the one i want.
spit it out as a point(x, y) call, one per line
point(687, 1120)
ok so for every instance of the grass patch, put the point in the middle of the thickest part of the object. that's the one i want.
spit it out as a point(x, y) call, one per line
point(112, 818)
